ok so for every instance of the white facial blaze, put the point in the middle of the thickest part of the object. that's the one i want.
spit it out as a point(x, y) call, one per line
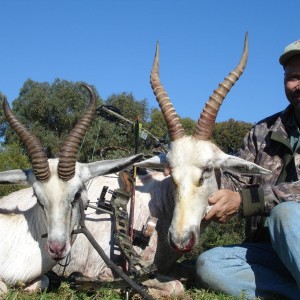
point(191, 164)
point(185, 191)
point(61, 216)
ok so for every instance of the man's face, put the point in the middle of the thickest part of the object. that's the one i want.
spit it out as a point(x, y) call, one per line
point(292, 81)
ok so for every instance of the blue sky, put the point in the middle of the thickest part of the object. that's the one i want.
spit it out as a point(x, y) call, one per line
point(111, 45)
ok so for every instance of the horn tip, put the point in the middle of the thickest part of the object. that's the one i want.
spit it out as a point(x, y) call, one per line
point(246, 40)
point(157, 49)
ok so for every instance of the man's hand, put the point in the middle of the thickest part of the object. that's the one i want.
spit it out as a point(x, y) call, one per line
point(225, 204)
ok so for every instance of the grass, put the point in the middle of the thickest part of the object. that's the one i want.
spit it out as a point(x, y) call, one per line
point(65, 292)
point(214, 235)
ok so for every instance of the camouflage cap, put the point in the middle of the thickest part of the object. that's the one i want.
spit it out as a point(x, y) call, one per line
point(290, 51)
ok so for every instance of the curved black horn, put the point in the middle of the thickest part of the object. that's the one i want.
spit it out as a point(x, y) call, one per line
point(67, 154)
point(33, 145)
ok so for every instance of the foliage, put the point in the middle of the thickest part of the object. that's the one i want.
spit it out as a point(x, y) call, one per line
point(112, 138)
point(120, 136)
point(49, 110)
point(66, 293)
point(188, 125)
point(229, 135)
point(157, 125)
point(12, 157)
point(129, 107)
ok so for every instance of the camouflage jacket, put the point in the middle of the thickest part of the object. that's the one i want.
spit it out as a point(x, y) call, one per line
point(273, 144)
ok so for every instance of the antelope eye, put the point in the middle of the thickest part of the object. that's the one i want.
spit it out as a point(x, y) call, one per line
point(207, 172)
point(76, 198)
point(200, 182)
point(77, 195)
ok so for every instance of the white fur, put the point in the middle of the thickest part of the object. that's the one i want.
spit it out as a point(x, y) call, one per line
point(152, 198)
point(25, 255)
point(192, 164)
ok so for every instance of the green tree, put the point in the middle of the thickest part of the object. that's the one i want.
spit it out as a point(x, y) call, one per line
point(188, 125)
point(51, 111)
point(157, 125)
point(12, 157)
point(229, 135)
point(130, 108)
point(118, 138)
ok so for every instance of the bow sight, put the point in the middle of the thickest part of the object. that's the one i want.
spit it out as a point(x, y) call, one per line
point(113, 114)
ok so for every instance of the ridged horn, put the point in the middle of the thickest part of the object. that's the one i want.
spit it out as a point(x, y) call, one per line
point(37, 154)
point(67, 154)
point(175, 128)
point(206, 121)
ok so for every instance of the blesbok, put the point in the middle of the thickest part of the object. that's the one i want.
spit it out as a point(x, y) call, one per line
point(36, 223)
point(153, 198)
point(179, 201)
point(193, 161)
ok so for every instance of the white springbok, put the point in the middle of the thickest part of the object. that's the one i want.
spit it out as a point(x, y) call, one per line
point(179, 201)
point(36, 223)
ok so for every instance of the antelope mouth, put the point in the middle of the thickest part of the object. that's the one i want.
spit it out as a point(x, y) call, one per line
point(184, 246)
point(58, 258)
point(58, 251)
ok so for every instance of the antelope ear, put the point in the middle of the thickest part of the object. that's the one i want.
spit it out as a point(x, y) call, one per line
point(241, 166)
point(22, 177)
point(157, 162)
point(91, 170)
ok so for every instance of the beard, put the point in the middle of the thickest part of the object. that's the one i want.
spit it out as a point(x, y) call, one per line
point(294, 97)
point(295, 93)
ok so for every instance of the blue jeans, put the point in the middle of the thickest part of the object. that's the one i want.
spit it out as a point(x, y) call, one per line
point(258, 269)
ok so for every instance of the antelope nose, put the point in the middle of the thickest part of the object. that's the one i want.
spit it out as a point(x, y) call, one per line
point(56, 247)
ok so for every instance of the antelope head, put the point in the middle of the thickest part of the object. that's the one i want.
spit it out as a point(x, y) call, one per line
point(59, 184)
point(192, 160)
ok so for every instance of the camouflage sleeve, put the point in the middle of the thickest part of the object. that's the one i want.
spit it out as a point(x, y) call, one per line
point(287, 191)
point(253, 195)
point(258, 197)
point(261, 199)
